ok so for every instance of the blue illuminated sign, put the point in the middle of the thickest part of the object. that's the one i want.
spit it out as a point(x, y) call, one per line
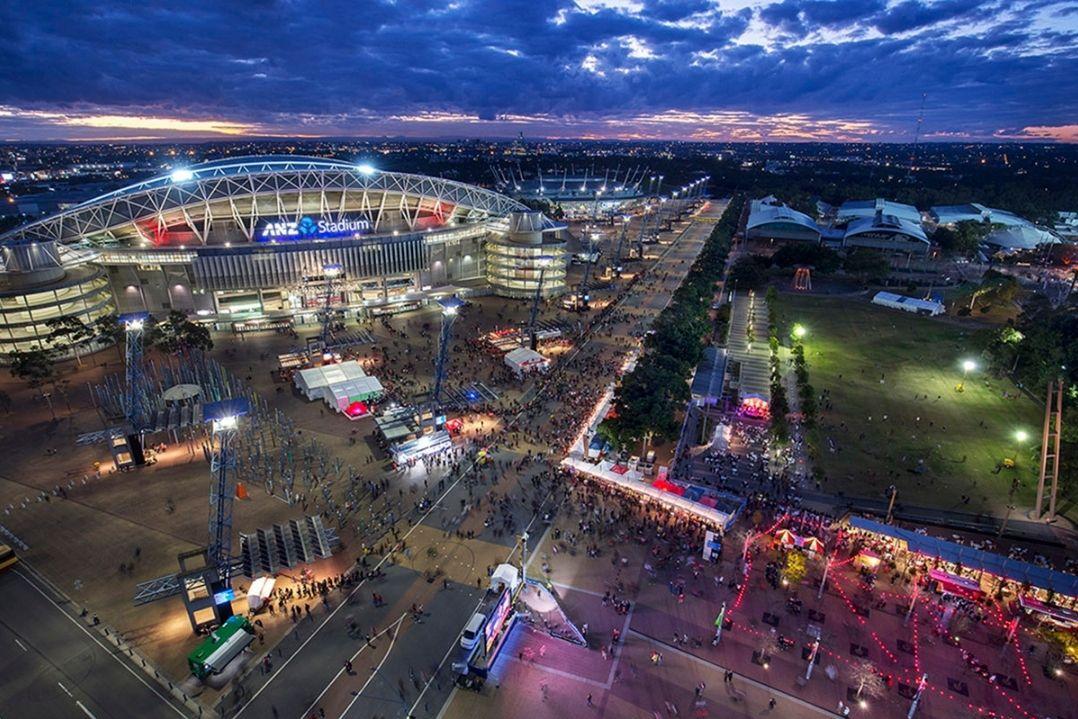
point(224, 597)
point(310, 228)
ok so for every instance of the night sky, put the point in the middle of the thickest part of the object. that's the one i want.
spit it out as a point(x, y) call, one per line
point(683, 69)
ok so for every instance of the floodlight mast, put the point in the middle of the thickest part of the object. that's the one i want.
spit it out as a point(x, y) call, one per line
point(533, 340)
point(331, 273)
point(225, 424)
point(450, 308)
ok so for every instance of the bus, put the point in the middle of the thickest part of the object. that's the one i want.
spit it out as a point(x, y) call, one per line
point(222, 646)
point(7, 557)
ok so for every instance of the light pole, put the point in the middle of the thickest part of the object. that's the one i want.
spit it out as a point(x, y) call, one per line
point(917, 696)
point(812, 659)
point(891, 504)
point(1020, 438)
point(967, 367)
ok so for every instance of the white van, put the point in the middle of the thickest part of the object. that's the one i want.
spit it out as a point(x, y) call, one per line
point(470, 637)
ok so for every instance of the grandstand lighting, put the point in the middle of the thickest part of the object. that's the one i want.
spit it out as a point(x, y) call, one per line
point(224, 423)
point(366, 169)
point(182, 175)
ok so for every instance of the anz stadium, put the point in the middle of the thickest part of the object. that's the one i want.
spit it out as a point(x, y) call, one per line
point(247, 241)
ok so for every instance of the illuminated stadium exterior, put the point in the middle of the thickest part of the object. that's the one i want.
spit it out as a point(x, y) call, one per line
point(579, 196)
point(243, 239)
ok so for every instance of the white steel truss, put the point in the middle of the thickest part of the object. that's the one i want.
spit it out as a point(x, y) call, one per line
point(232, 190)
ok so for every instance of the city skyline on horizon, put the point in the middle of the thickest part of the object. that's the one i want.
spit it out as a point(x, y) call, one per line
point(691, 70)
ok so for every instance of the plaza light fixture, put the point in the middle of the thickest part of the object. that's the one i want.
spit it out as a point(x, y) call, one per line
point(799, 331)
point(968, 366)
point(1021, 436)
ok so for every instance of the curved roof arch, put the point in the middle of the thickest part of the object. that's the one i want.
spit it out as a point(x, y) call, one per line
point(762, 213)
point(190, 192)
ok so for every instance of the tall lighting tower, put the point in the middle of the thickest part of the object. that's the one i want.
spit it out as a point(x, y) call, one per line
point(134, 325)
point(450, 309)
point(331, 273)
point(224, 417)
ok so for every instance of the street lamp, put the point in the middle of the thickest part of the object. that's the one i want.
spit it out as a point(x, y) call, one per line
point(799, 331)
point(967, 367)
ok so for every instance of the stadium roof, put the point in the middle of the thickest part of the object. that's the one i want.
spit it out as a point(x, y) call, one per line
point(878, 223)
point(975, 559)
point(188, 192)
point(973, 212)
point(762, 213)
point(1020, 237)
point(868, 208)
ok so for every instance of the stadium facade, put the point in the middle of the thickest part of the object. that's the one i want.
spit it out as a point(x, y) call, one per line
point(246, 240)
point(580, 195)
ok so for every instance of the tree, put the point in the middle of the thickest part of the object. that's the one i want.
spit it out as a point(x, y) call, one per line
point(997, 287)
point(964, 239)
point(822, 259)
point(868, 680)
point(108, 330)
point(748, 273)
point(69, 332)
point(178, 334)
point(793, 569)
point(35, 366)
point(867, 265)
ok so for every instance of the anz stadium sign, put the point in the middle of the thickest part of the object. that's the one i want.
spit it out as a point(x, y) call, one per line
point(310, 228)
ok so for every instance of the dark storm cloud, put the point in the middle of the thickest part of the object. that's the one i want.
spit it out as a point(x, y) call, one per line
point(335, 67)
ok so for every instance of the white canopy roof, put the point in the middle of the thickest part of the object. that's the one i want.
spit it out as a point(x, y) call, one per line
point(522, 356)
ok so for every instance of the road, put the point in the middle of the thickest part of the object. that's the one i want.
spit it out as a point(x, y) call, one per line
point(53, 666)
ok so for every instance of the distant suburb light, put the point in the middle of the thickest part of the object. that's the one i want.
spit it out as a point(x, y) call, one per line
point(365, 169)
point(182, 175)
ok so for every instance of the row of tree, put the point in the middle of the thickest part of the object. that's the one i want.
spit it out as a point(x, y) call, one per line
point(72, 336)
point(1041, 346)
point(864, 265)
point(649, 398)
point(805, 391)
point(779, 405)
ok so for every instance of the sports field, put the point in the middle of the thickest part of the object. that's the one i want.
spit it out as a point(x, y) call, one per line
point(895, 415)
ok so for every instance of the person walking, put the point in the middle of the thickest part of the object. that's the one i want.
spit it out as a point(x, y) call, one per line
point(589, 701)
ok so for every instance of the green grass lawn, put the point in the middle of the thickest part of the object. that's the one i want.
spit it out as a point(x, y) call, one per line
point(879, 364)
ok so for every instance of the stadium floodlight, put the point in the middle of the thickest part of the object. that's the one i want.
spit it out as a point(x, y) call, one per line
point(182, 175)
point(226, 422)
point(366, 169)
point(450, 305)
